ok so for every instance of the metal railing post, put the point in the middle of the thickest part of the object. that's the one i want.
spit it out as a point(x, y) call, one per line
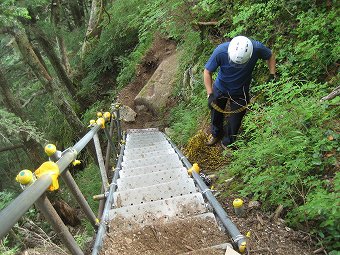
point(108, 148)
point(109, 202)
point(78, 195)
point(118, 126)
point(107, 165)
point(110, 142)
point(100, 158)
point(45, 206)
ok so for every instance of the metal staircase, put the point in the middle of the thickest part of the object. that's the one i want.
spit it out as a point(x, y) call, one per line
point(154, 191)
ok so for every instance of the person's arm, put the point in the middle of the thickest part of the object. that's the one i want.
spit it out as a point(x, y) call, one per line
point(271, 62)
point(208, 81)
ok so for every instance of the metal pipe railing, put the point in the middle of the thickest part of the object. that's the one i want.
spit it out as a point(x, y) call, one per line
point(109, 202)
point(118, 125)
point(100, 159)
point(110, 142)
point(107, 166)
point(76, 192)
point(238, 239)
point(16, 209)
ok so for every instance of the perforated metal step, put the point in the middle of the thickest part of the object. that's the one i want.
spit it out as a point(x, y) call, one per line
point(150, 179)
point(156, 192)
point(145, 138)
point(146, 149)
point(147, 213)
point(162, 159)
point(126, 172)
point(149, 154)
point(144, 131)
point(146, 144)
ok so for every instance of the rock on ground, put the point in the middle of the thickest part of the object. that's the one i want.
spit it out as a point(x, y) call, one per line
point(157, 91)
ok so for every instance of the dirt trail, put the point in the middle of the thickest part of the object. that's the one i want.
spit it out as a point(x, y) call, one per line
point(161, 49)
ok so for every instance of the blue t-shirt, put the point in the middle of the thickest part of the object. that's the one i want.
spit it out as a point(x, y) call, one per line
point(231, 78)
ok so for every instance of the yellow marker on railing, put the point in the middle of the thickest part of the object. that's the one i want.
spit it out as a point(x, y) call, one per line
point(92, 123)
point(107, 115)
point(76, 162)
point(25, 177)
point(50, 149)
point(52, 168)
point(195, 168)
point(243, 247)
point(238, 207)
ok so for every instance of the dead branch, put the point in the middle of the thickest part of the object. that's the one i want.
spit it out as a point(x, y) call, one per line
point(276, 214)
point(9, 148)
point(34, 95)
point(331, 95)
point(38, 236)
point(319, 250)
point(207, 23)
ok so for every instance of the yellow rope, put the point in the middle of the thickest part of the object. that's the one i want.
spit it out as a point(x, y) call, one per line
point(241, 109)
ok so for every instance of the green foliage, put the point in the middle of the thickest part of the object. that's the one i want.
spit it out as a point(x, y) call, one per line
point(292, 30)
point(129, 63)
point(186, 117)
point(5, 198)
point(82, 240)
point(91, 112)
point(9, 12)
point(322, 207)
point(6, 250)
point(287, 152)
point(90, 184)
point(117, 40)
point(13, 126)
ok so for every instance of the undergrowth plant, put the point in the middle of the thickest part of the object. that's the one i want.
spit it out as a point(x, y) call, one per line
point(287, 155)
point(89, 178)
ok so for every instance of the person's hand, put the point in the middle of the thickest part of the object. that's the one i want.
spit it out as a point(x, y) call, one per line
point(271, 78)
point(210, 100)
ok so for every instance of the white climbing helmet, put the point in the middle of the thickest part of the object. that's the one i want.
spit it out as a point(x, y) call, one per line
point(240, 50)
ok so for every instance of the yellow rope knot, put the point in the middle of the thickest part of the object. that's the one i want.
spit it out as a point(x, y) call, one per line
point(101, 122)
point(52, 169)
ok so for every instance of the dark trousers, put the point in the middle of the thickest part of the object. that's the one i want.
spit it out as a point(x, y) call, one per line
point(228, 131)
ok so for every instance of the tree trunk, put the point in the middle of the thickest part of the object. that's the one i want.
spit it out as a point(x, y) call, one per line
point(33, 149)
point(77, 13)
point(93, 28)
point(48, 82)
point(55, 61)
point(82, 7)
point(55, 20)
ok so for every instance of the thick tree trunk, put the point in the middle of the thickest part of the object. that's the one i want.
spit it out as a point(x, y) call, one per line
point(93, 28)
point(55, 20)
point(82, 7)
point(33, 149)
point(48, 82)
point(55, 61)
point(77, 13)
